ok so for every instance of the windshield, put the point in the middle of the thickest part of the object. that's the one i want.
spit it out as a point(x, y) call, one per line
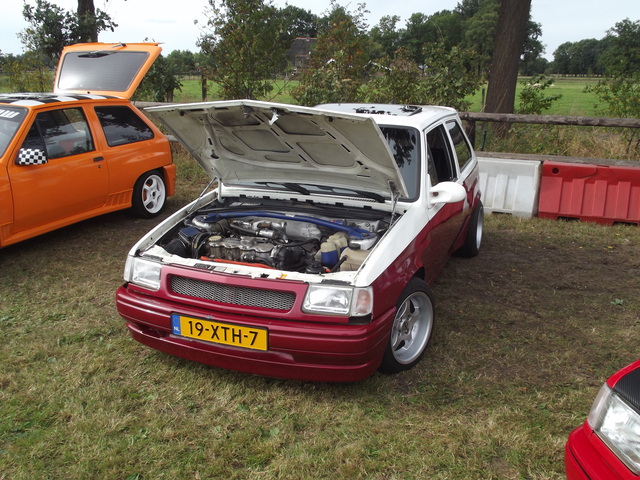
point(405, 147)
point(10, 120)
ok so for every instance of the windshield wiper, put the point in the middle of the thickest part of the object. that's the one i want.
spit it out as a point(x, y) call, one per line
point(289, 186)
point(296, 187)
point(362, 193)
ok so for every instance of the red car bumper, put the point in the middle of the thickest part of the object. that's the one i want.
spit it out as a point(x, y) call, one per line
point(587, 458)
point(297, 350)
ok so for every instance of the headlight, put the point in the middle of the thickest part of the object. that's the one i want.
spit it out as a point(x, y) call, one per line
point(141, 272)
point(618, 426)
point(338, 300)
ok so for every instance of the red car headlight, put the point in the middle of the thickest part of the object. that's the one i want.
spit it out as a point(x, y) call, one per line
point(618, 426)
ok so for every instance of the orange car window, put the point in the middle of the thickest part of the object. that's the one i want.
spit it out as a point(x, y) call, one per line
point(60, 133)
point(122, 125)
point(10, 120)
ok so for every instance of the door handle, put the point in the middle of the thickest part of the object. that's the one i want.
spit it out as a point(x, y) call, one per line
point(98, 159)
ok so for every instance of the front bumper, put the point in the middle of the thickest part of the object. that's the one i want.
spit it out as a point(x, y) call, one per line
point(297, 350)
point(588, 458)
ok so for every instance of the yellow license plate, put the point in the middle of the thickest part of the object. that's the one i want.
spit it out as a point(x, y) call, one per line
point(218, 332)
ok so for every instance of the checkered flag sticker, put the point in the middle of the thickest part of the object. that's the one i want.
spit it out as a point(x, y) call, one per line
point(31, 156)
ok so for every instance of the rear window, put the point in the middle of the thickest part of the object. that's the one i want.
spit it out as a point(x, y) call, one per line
point(122, 126)
point(102, 70)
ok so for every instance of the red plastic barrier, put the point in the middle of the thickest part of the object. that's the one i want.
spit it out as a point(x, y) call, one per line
point(595, 193)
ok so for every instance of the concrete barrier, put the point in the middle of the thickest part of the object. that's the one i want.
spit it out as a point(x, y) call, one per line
point(510, 186)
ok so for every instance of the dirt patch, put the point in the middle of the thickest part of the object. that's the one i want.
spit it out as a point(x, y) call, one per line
point(538, 299)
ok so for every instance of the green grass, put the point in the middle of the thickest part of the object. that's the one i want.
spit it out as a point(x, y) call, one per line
point(191, 91)
point(525, 335)
point(574, 101)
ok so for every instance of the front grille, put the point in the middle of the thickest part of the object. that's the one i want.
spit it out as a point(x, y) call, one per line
point(230, 294)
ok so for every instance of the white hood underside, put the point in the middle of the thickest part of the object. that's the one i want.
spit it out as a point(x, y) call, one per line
point(242, 141)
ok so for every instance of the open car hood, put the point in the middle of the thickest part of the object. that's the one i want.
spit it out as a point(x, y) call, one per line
point(104, 68)
point(242, 141)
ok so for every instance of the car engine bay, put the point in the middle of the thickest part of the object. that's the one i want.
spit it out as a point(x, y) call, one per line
point(291, 239)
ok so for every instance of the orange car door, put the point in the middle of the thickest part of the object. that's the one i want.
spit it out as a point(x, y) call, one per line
point(74, 180)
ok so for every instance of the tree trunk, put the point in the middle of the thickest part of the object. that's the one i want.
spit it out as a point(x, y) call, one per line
point(86, 16)
point(511, 32)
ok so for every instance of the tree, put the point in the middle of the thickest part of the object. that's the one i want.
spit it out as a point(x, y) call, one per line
point(622, 56)
point(480, 31)
point(511, 32)
point(385, 35)
point(446, 79)
point(244, 47)
point(87, 27)
point(160, 82)
point(183, 62)
point(579, 58)
point(298, 22)
point(51, 28)
point(620, 89)
point(338, 63)
point(533, 100)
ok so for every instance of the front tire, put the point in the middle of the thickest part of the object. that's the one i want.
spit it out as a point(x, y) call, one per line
point(411, 329)
point(149, 195)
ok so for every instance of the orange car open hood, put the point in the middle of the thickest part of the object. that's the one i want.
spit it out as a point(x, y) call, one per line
point(104, 68)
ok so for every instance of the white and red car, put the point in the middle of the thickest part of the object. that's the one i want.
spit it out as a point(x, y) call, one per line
point(311, 254)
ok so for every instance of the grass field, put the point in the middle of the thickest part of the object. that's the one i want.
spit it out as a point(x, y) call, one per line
point(526, 333)
point(574, 101)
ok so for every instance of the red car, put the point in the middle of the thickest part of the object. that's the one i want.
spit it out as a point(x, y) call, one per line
point(311, 256)
point(607, 445)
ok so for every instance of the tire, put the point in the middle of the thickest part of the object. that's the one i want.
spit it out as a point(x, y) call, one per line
point(411, 329)
point(149, 195)
point(473, 240)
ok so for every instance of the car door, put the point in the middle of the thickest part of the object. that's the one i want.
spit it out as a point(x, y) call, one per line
point(68, 180)
point(445, 218)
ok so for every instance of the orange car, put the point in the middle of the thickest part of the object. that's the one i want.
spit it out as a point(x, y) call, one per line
point(84, 149)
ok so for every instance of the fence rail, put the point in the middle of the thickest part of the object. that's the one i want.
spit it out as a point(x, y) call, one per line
point(473, 117)
point(551, 119)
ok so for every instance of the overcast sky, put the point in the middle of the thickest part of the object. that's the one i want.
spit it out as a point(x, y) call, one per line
point(171, 22)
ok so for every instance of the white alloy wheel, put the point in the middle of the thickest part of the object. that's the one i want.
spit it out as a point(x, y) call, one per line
point(411, 329)
point(149, 195)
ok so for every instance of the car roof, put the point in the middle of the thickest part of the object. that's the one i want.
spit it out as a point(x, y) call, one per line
point(38, 99)
point(395, 114)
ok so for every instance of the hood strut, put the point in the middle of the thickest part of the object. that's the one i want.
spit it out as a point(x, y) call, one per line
point(395, 194)
point(206, 189)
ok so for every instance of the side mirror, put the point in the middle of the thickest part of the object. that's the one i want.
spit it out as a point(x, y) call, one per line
point(31, 156)
point(447, 192)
